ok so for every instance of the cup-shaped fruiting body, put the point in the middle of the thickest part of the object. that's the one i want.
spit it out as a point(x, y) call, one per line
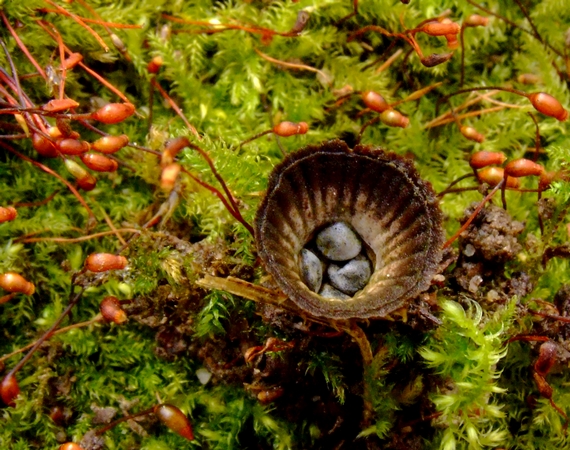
point(101, 262)
point(548, 105)
point(375, 101)
point(380, 196)
point(7, 213)
point(14, 282)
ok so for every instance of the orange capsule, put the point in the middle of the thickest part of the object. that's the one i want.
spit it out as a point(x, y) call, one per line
point(174, 419)
point(99, 163)
point(482, 159)
point(494, 175)
point(44, 146)
point(440, 28)
point(7, 213)
point(102, 262)
point(394, 118)
point(475, 20)
point(69, 146)
point(286, 129)
point(110, 144)
point(70, 446)
point(58, 105)
point(154, 64)
point(88, 183)
point(9, 390)
point(375, 101)
point(169, 175)
point(523, 168)
point(471, 133)
point(114, 112)
point(14, 282)
point(110, 308)
point(548, 105)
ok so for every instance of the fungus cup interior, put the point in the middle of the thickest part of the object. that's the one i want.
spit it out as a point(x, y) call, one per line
point(380, 195)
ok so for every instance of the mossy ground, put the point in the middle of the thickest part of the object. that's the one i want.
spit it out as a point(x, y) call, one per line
point(457, 385)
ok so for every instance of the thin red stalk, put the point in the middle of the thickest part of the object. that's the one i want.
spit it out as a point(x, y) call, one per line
point(95, 21)
point(80, 22)
point(14, 73)
point(55, 174)
point(475, 213)
point(23, 46)
point(232, 209)
point(217, 28)
point(175, 107)
point(45, 336)
point(79, 239)
point(124, 419)
point(84, 67)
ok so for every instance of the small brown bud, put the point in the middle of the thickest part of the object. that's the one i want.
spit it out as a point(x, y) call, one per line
point(286, 129)
point(7, 213)
point(174, 419)
point(394, 118)
point(102, 262)
point(523, 168)
point(110, 144)
point(375, 101)
point(494, 175)
point(99, 163)
point(471, 133)
point(14, 282)
point(114, 112)
point(548, 105)
point(111, 310)
point(154, 64)
point(58, 105)
point(72, 146)
point(482, 159)
point(440, 28)
point(9, 390)
point(70, 446)
point(44, 146)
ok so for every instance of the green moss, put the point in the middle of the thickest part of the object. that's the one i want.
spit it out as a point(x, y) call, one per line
point(457, 385)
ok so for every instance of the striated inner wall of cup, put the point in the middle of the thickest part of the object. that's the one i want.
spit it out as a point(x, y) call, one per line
point(380, 195)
